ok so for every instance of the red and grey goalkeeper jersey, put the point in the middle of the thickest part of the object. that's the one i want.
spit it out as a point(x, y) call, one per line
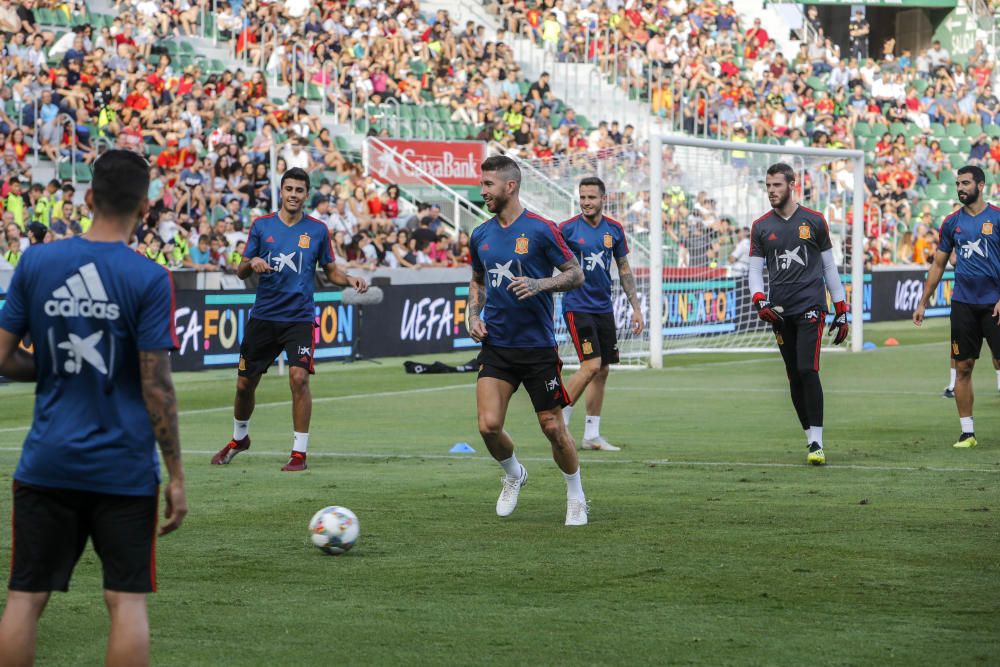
point(793, 251)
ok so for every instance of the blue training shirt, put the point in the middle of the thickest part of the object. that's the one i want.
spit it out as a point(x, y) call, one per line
point(596, 248)
point(976, 242)
point(286, 293)
point(531, 246)
point(90, 307)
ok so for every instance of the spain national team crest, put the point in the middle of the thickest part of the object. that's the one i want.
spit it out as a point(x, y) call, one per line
point(804, 232)
point(987, 228)
point(608, 241)
point(521, 245)
point(243, 364)
point(588, 347)
point(304, 241)
point(954, 347)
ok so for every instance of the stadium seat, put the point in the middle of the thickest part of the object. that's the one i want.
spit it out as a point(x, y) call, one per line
point(964, 146)
point(862, 129)
point(817, 84)
point(84, 174)
point(958, 160)
point(938, 130)
point(897, 128)
point(993, 130)
point(973, 130)
point(956, 130)
point(65, 171)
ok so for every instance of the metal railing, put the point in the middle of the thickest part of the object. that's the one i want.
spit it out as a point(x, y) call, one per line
point(538, 191)
point(465, 214)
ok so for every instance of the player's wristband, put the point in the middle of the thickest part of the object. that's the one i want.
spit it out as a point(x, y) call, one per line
point(759, 296)
point(840, 307)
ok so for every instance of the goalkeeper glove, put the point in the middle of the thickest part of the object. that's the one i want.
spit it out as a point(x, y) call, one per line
point(839, 323)
point(765, 309)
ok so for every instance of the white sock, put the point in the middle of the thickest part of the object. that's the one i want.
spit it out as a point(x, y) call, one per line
point(240, 429)
point(568, 412)
point(809, 436)
point(966, 424)
point(512, 467)
point(574, 487)
point(816, 435)
point(998, 379)
point(951, 379)
point(592, 428)
point(300, 442)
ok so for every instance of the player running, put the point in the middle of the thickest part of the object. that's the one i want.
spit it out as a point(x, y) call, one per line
point(101, 318)
point(590, 319)
point(284, 249)
point(973, 232)
point(510, 312)
point(794, 242)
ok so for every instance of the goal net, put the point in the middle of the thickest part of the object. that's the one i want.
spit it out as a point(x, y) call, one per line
point(697, 239)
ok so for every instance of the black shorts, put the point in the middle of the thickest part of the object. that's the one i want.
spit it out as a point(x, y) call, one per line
point(264, 340)
point(799, 339)
point(970, 324)
point(538, 368)
point(51, 528)
point(594, 335)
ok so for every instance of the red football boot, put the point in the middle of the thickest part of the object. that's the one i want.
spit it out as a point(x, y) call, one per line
point(226, 454)
point(297, 463)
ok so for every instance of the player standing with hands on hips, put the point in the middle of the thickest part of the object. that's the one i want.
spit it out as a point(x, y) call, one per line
point(101, 318)
point(510, 312)
point(284, 249)
point(973, 232)
point(590, 318)
point(794, 243)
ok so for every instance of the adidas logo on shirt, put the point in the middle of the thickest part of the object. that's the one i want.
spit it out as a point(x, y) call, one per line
point(83, 295)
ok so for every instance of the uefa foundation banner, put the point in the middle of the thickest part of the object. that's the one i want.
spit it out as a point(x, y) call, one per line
point(898, 292)
point(210, 328)
point(417, 319)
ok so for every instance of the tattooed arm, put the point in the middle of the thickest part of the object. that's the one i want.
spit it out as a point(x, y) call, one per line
point(161, 403)
point(473, 311)
point(627, 280)
point(570, 277)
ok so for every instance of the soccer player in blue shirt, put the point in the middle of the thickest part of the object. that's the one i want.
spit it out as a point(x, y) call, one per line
point(284, 249)
point(973, 233)
point(590, 318)
point(102, 322)
point(510, 312)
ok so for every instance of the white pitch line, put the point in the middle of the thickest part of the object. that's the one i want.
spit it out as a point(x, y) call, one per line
point(277, 404)
point(588, 461)
point(765, 390)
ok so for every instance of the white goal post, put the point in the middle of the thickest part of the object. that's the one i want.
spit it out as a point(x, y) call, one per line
point(733, 172)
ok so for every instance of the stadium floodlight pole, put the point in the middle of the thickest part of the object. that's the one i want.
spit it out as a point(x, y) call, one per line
point(656, 252)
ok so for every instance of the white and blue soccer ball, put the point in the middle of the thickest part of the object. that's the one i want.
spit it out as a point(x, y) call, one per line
point(334, 530)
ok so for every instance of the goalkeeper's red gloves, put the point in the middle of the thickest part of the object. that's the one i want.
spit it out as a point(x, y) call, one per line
point(765, 309)
point(839, 323)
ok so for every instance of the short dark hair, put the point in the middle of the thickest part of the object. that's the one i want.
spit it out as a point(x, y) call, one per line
point(978, 175)
point(594, 180)
point(120, 182)
point(783, 169)
point(296, 174)
point(504, 166)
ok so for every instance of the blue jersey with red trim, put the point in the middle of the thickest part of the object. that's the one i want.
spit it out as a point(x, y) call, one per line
point(596, 248)
point(285, 294)
point(90, 308)
point(531, 246)
point(976, 242)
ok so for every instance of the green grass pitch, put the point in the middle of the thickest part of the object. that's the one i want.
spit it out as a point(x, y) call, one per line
point(710, 540)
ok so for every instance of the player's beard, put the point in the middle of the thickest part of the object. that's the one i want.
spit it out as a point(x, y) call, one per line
point(780, 204)
point(499, 203)
point(969, 198)
point(596, 215)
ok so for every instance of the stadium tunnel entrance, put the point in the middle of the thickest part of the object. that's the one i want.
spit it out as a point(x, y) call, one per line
point(911, 26)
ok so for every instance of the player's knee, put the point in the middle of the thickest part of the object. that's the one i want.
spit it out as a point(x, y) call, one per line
point(298, 380)
point(130, 604)
point(552, 425)
point(490, 425)
point(963, 369)
point(602, 373)
point(807, 375)
point(590, 368)
point(245, 386)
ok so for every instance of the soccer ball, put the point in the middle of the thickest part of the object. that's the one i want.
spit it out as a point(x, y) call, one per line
point(334, 530)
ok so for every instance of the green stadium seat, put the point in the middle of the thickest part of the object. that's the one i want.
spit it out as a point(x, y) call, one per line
point(973, 130)
point(964, 146)
point(84, 174)
point(920, 85)
point(862, 129)
point(938, 130)
point(65, 171)
point(956, 130)
point(993, 130)
point(817, 84)
point(878, 129)
point(957, 160)
point(897, 128)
